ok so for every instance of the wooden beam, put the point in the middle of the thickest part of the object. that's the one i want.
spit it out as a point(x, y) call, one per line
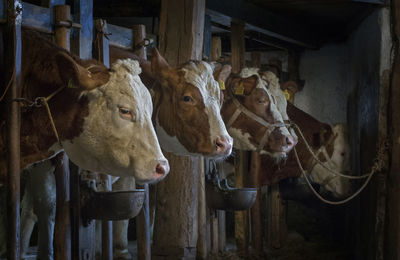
point(83, 38)
point(237, 46)
point(12, 58)
point(37, 17)
point(143, 219)
point(207, 38)
point(176, 221)
point(262, 20)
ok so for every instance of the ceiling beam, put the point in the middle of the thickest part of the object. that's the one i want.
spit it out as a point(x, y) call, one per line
point(263, 21)
point(378, 2)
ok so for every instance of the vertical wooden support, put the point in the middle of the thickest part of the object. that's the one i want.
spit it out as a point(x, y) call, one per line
point(276, 225)
point(241, 163)
point(103, 54)
point(62, 230)
point(255, 211)
point(13, 48)
point(176, 228)
point(393, 207)
point(83, 38)
point(62, 33)
point(106, 228)
point(216, 49)
point(202, 250)
point(143, 219)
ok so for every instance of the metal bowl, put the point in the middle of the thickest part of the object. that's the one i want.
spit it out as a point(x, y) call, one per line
point(228, 198)
point(113, 205)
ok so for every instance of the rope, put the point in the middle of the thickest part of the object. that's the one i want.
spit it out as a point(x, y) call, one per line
point(378, 165)
point(321, 163)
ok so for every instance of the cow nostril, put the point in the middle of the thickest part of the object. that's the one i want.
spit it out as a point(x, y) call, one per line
point(160, 169)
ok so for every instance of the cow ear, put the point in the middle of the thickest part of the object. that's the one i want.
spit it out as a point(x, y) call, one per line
point(85, 78)
point(158, 64)
point(222, 72)
point(245, 86)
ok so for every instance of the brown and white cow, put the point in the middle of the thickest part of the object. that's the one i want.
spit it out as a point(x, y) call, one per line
point(330, 143)
point(253, 115)
point(103, 116)
point(187, 101)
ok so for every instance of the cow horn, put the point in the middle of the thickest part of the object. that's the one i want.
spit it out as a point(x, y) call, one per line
point(158, 63)
point(85, 78)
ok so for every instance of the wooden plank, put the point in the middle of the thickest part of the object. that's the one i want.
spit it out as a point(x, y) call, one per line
point(176, 224)
point(143, 232)
point(214, 232)
point(83, 38)
point(255, 211)
point(51, 3)
point(62, 229)
point(237, 46)
point(62, 233)
point(241, 167)
point(216, 49)
point(101, 43)
point(221, 216)
point(207, 38)
point(120, 36)
point(2, 11)
point(37, 17)
point(12, 56)
point(202, 251)
point(264, 21)
point(106, 227)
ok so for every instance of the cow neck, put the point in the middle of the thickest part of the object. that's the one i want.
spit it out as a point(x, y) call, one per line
point(242, 109)
point(326, 155)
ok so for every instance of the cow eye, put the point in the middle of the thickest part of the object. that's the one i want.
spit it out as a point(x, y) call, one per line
point(262, 101)
point(126, 113)
point(187, 99)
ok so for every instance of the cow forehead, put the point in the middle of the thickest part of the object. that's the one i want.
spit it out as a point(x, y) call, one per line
point(200, 75)
point(126, 87)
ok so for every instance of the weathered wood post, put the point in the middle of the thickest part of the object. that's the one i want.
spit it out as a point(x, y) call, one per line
point(255, 163)
point(101, 46)
point(176, 228)
point(392, 235)
point(143, 219)
point(12, 53)
point(62, 229)
point(241, 160)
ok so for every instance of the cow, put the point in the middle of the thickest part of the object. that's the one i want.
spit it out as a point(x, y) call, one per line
point(329, 142)
point(254, 116)
point(102, 116)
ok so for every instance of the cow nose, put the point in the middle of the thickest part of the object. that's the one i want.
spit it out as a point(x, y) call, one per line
point(223, 145)
point(290, 142)
point(161, 170)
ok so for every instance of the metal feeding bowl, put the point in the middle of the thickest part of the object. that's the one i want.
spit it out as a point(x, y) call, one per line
point(113, 205)
point(220, 195)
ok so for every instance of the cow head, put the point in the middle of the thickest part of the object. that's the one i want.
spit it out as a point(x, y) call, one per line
point(118, 137)
point(188, 100)
point(339, 161)
point(265, 130)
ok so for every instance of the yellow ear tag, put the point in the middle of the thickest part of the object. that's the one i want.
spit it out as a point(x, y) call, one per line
point(287, 94)
point(239, 90)
point(221, 84)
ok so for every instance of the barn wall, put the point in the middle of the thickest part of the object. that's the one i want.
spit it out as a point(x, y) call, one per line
point(369, 52)
point(325, 92)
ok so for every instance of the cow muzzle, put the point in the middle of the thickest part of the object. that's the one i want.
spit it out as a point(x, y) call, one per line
point(223, 146)
point(161, 170)
point(281, 143)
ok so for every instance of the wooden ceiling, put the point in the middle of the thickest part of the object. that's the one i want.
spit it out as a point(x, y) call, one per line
point(282, 24)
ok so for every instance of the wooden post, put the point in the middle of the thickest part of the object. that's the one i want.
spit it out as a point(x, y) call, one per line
point(83, 38)
point(392, 240)
point(62, 229)
point(216, 49)
point(143, 219)
point(176, 223)
point(255, 211)
point(103, 54)
point(276, 227)
point(12, 53)
point(62, 33)
point(241, 163)
point(202, 251)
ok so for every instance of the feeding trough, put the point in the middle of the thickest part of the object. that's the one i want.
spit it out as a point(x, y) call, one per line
point(219, 195)
point(112, 205)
